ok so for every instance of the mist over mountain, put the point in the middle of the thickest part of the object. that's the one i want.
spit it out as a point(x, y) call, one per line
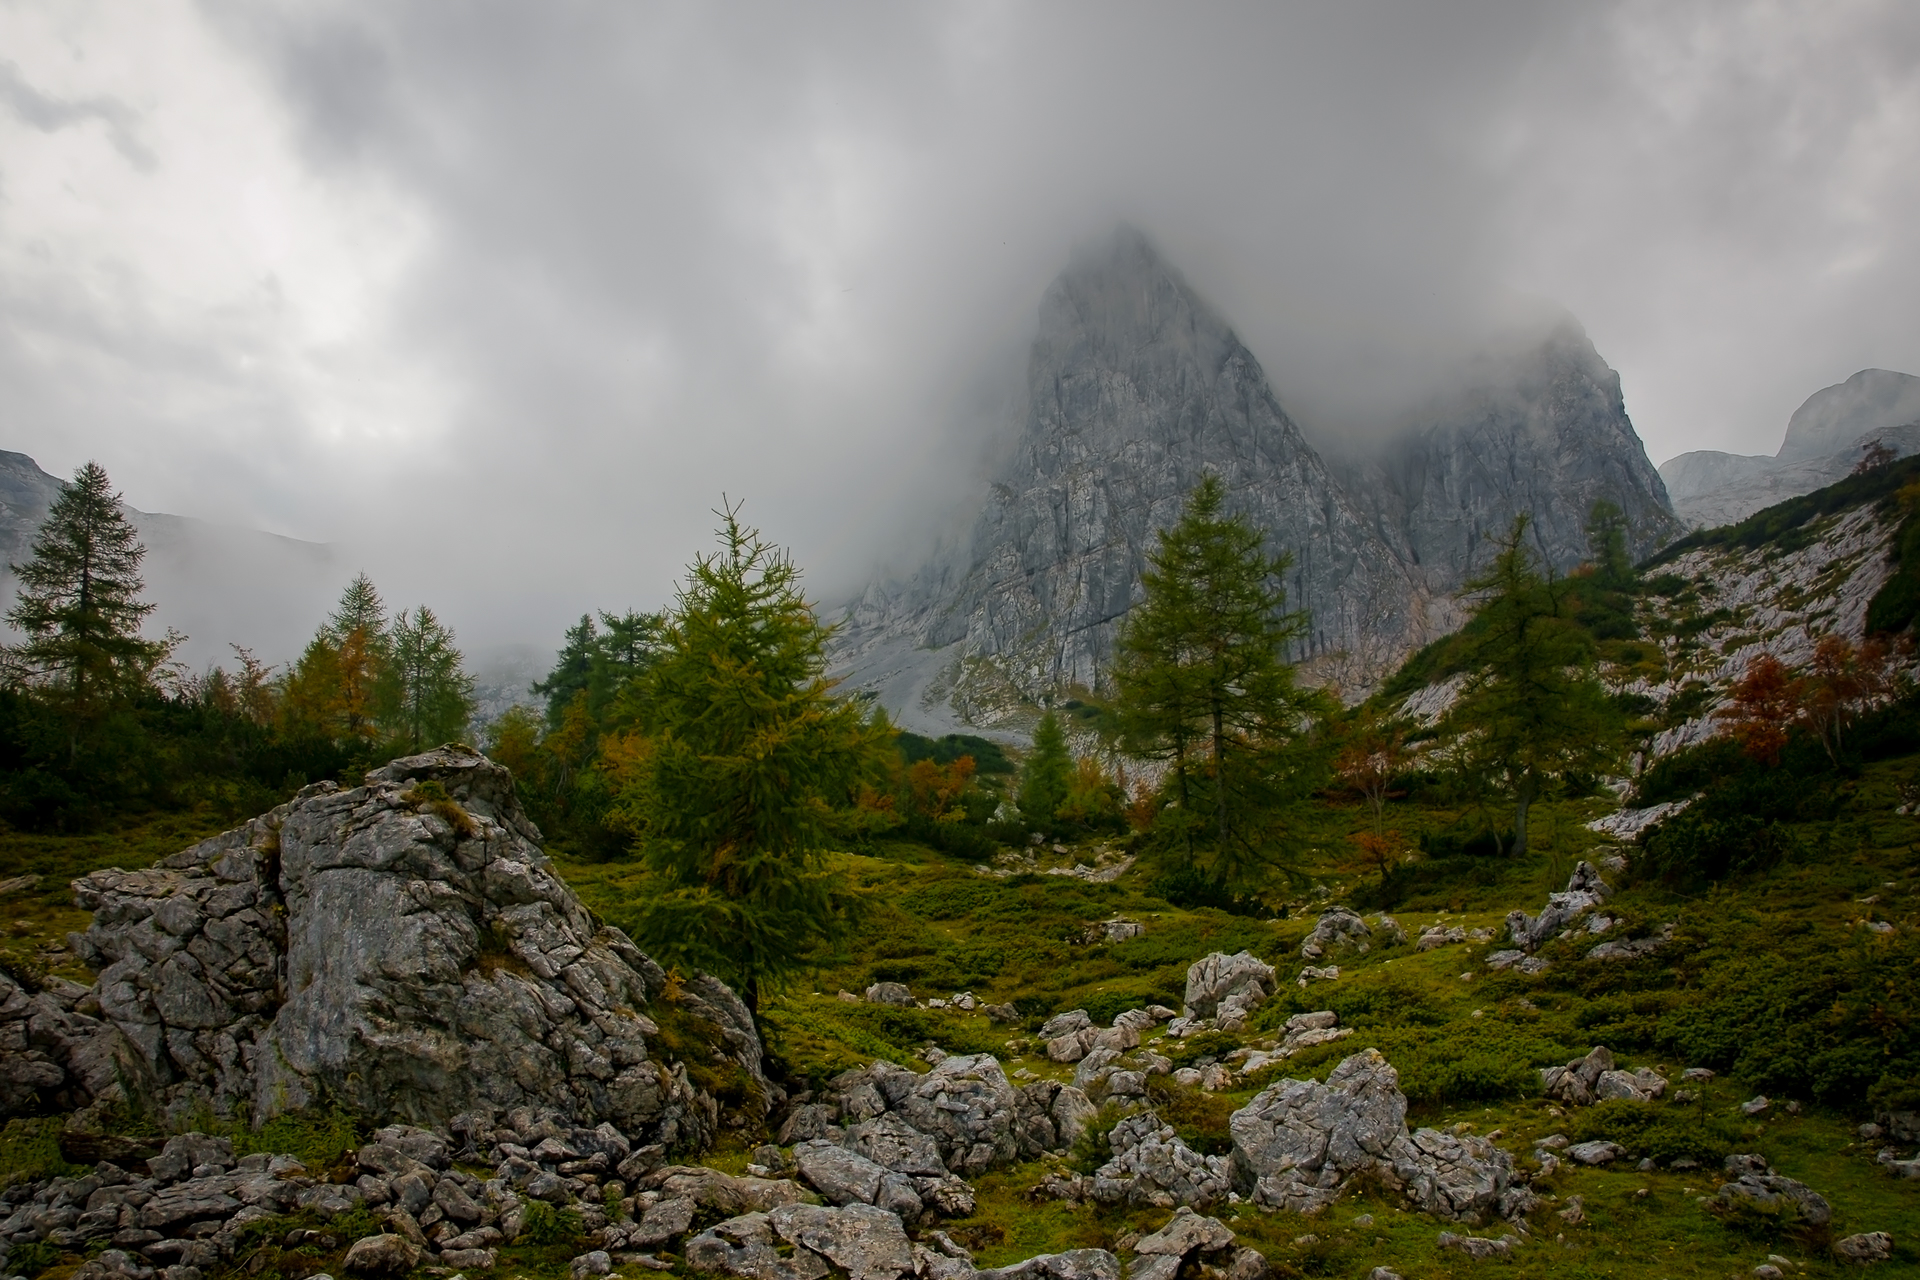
point(1137, 388)
point(217, 584)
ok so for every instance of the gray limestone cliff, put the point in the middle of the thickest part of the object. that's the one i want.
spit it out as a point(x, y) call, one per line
point(1544, 431)
point(1136, 389)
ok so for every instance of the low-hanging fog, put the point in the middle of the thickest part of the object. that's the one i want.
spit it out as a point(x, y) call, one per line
point(500, 299)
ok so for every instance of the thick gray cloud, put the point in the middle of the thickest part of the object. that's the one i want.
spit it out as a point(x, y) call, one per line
point(507, 296)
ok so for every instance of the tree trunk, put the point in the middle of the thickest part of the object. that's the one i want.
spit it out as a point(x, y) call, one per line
point(1220, 773)
point(1523, 800)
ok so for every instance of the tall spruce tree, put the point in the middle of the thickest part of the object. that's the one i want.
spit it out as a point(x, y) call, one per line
point(425, 694)
point(1045, 777)
point(79, 603)
point(1532, 709)
point(1203, 682)
point(747, 755)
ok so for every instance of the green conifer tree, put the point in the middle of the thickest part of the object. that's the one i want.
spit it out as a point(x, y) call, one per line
point(1202, 681)
point(79, 603)
point(1046, 776)
point(1532, 709)
point(425, 696)
point(748, 754)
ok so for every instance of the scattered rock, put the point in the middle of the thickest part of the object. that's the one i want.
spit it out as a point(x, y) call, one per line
point(1075, 1264)
point(1337, 929)
point(1593, 1078)
point(596, 1262)
point(1632, 949)
point(1756, 1185)
point(382, 1256)
point(1868, 1246)
point(1479, 1248)
point(1225, 989)
point(1598, 1152)
point(404, 955)
point(890, 993)
point(1114, 930)
point(1585, 890)
point(1388, 930)
point(1756, 1106)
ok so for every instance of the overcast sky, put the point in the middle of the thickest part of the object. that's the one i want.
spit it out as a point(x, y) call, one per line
point(505, 296)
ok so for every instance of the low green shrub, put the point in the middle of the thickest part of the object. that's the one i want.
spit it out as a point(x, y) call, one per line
point(30, 1151)
point(31, 1259)
point(1198, 1117)
point(1662, 1133)
point(316, 1138)
point(1694, 849)
point(542, 1224)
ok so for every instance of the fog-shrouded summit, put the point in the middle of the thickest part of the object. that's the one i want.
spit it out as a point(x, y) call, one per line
point(1136, 389)
point(1825, 440)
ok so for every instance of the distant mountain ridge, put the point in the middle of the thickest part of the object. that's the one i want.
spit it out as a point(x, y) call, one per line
point(1824, 441)
point(1136, 388)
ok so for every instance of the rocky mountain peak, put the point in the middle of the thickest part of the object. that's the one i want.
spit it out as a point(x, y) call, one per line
point(1832, 418)
point(1136, 389)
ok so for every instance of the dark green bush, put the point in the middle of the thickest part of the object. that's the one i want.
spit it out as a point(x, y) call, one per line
point(1662, 1133)
point(1693, 849)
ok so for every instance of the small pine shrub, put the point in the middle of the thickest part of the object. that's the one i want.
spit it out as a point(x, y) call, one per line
point(542, 1224)
point(1659, 1133)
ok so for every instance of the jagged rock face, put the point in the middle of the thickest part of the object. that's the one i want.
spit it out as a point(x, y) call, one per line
point(1546, 433)
point(404, 951)
point(1136, 390)
point(1833, 417)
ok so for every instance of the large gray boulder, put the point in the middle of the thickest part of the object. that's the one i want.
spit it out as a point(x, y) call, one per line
point(404, 948)
point(1152, 1166)
point(1338, 928)
point(1299, 1142)
point(1227, 988)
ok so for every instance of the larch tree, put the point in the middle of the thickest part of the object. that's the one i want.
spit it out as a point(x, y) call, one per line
point(425, 695)
point(1532, 709)
point(1203, 682)
point(744, 756)
point(331, 691)
point(79, 604)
